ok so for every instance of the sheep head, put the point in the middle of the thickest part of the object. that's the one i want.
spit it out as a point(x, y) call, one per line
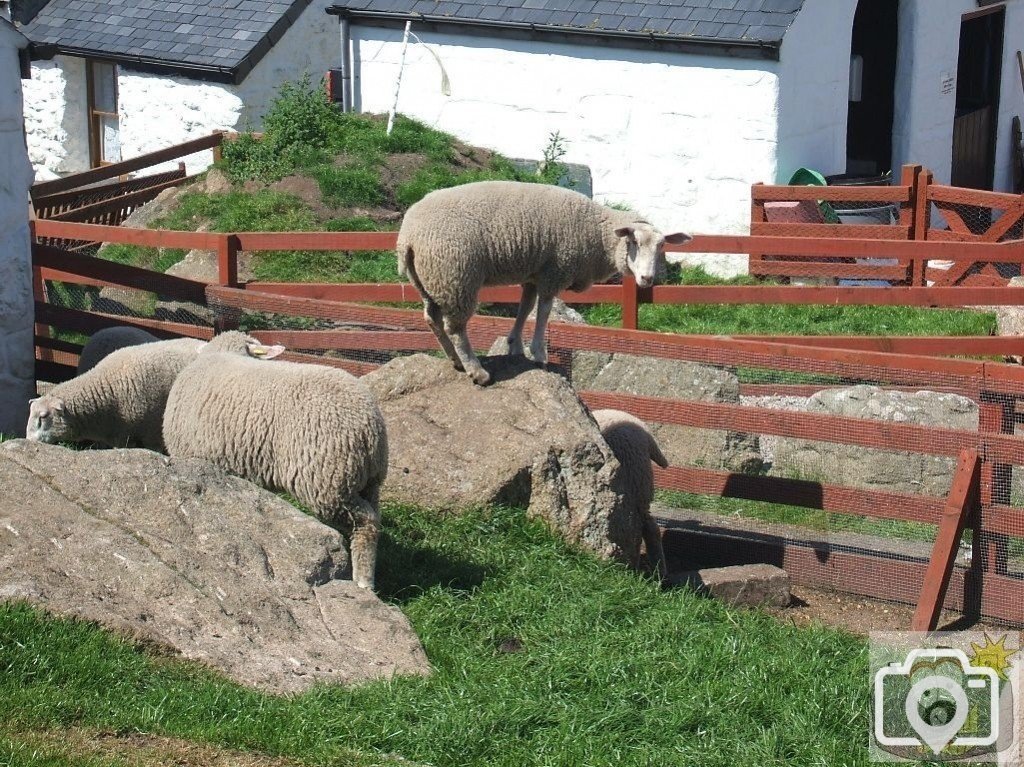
point(47, 420)
point(645, 250)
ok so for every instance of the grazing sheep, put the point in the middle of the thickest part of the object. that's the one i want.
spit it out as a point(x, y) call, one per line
point(635, 448)
point(119, 403)
point(455, 241)
point(103, 342)
point(313, 431)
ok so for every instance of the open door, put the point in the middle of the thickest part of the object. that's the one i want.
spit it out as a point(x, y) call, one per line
point(872, 88)
point(975, 125)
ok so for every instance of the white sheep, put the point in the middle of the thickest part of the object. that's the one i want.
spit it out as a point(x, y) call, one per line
point(312, 431)
point(635, 447)
point(119, 403)
point(546, 238)
point(104, 342)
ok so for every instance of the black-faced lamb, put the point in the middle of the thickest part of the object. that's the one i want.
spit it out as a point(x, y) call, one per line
point(104, 342)
point(635, 447)
point(546, 238)
point(120, 402)
point(312, 431)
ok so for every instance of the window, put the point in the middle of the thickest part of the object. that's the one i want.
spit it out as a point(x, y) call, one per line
point(104, 138)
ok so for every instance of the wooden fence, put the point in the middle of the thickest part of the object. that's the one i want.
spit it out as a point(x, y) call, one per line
point(979, 499)
point(106, 195)
point(918, 210)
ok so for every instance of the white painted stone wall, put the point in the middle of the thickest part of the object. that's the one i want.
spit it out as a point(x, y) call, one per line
point(928, 52)
point(679, 137)
point(17, 357)
point(56, 120)
point(814, 85)
point(156, 111)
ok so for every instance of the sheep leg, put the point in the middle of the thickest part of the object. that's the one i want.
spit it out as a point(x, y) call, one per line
point(470, 363)
point(363, 543)
point(432, 314)
point(539, 347)
point(652, 541)
point(526, 304)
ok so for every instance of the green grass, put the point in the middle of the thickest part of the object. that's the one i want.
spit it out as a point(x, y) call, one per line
point(612, 670)
point(772, 319)
point(814, 519)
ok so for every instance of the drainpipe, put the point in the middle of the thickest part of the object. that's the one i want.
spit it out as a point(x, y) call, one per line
point(346, 65)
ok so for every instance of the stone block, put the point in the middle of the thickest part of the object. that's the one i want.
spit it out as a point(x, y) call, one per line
point(758, 585)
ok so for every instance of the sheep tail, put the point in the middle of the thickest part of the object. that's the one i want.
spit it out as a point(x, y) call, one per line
point(657, 456)
point(407, 268)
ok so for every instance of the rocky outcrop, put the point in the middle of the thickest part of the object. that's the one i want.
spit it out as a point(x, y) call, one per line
point(895, 471)
point(524, 440)
point(179, 554)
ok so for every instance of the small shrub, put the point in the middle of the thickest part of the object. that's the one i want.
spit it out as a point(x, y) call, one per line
point(301, 115)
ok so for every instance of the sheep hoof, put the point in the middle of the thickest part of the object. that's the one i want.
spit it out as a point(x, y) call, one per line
point(480, 377)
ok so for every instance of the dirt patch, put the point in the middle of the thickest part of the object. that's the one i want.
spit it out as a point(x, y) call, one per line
point(307, 190)
point(141, 750)
point(471, 157)
point(858, 615)
point(400, 168)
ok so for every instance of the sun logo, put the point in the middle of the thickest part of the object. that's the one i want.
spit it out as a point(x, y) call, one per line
point(993, 655)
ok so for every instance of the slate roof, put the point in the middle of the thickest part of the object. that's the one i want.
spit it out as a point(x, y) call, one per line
point(218, 40)
point(757, 23)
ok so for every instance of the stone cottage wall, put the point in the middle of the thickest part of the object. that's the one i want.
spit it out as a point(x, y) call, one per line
point(16, 345)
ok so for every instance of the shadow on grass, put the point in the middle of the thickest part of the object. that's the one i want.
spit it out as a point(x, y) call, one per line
point(406, 569)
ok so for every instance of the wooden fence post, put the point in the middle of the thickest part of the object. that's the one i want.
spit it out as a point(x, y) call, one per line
point(962, 501)
point(218, 148)
point(227, 271)
point(922, 222)
point(630, 304)
point(757, 216)
point(908, 213)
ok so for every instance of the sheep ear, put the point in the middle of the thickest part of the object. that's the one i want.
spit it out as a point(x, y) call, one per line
point(626, 231)
point(679, 238)
point(263, 352)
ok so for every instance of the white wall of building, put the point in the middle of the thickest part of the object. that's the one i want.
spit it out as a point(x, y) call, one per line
point(56, 120)
point(814, 85)
point(678, 137)
point(928, 54)
point(17, 356)
point(309, 46)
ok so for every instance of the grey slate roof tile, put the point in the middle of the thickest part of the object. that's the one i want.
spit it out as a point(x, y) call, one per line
point(763, 21)
point(181, 34)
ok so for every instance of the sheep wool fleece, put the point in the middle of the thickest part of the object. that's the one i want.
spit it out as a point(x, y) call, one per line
point(313, 431)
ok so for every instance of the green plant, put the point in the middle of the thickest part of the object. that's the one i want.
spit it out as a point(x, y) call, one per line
point(551, 169)
point(349, 185)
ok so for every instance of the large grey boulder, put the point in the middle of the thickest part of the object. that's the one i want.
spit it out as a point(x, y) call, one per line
point(180, 554)
point(525, 440)
point(672, 379)
point(865, 467)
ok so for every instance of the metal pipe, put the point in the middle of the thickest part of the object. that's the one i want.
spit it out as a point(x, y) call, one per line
point(346, 65)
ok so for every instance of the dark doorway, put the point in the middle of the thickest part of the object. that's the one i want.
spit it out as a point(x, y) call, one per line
point(977, 99)
point(872, 87)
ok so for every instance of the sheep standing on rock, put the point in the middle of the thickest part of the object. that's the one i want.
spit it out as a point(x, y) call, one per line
point(119, 403)
point(546, 238)
point(634, 447)
point(104, 342)
point(313, 431)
